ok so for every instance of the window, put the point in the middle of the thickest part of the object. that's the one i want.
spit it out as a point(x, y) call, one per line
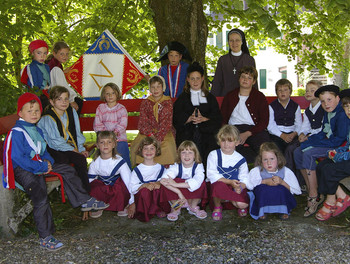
point(219, 40)
point(262, 78)
point(283, 71)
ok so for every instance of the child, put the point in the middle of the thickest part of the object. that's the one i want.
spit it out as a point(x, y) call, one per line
point(145, 181)
point(272, 183)
point(247, 109)
point(156, 120)
point(175, 72)
point(313, 115)
point(197, 115)
point(26, 161)
point(112, 116)
point(333, 134)
point(332, 170)
point(61, 128)
point(109, 175)
point(285, 121)
point(185, 181)
point(312, 122)
point(227, 171)
point(37, 73)
point(60, 54)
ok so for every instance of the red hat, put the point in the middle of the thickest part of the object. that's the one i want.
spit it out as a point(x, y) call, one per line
point(37, 44)
point(25, 98)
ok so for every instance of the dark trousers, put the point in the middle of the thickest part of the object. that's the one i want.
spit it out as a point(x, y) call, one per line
point(35, 187)
point(329, 174)
point(79, 161)
point(250, 152)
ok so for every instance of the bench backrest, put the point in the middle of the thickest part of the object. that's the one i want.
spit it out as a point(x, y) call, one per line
point(133, 107)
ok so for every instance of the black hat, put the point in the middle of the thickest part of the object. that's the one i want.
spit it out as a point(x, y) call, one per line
point(244, 46)
point(195, 67)
point(344, 93)
point(177, 46)
point(327, 88)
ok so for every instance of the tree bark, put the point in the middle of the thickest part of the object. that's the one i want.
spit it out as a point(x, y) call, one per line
point(342, 78)
point(183, 21)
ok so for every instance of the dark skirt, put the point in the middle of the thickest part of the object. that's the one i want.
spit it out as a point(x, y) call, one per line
point(227, 193)
point(116, 195)
point(270, 199)
point(147, 204)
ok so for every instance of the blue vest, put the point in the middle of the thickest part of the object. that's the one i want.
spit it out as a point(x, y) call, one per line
point(284, 116)
point(139, 175)
point(231, 172)
point(267, 175)
point(315, 119)
point(179, 175)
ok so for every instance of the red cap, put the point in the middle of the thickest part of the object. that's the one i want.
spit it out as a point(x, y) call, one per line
point(25, 98)
point(37, 44)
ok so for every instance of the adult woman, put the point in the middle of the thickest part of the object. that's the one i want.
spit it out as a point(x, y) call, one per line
point(197, 115)
point(227, 69)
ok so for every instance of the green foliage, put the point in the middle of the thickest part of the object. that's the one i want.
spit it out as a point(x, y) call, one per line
point(314, 32)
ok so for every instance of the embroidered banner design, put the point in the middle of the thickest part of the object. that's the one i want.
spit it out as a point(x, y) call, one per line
point(105, 61)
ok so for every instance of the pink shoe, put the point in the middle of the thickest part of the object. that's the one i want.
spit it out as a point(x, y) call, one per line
point(242, 212)
point(201, 214)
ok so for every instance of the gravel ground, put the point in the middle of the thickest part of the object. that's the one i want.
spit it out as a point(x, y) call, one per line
point(113, 239)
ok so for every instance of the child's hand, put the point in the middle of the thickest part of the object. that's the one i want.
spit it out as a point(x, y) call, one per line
point(331, 154)
point(131, 210)
point(302, 137)
point(199, 119)
point(74, 105)
point(85, 153)
point(236, 186)
point(164, 182)
point(276, 180)
point(244, 136)
point(49, 166)
point(156, 185)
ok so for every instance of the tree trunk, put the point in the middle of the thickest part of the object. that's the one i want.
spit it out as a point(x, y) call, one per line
point(183, 21)
point(342, 78)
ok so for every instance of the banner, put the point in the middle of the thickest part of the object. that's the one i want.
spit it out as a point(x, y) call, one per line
point(105, 61)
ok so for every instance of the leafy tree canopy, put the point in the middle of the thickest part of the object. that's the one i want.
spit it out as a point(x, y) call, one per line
point(314, 31)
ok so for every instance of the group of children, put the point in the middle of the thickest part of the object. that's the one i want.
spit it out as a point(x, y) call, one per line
point(197, 176)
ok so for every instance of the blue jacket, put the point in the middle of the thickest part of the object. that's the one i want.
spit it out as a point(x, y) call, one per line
point(340, 127)
point(163, 71)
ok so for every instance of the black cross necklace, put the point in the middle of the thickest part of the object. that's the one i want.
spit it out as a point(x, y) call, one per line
point(235, 64)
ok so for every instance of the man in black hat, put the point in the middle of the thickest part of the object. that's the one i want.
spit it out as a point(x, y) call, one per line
point(175, 72)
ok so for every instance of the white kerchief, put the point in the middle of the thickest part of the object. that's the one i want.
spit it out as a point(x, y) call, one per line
point(197, 97)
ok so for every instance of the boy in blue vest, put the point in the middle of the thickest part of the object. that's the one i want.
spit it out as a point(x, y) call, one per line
point(175, 72)
point(285, 121)
point(333, 134)
point(27, 162)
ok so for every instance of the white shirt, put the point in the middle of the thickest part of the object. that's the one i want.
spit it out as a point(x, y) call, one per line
point(213, 174)
point(289, 177)
point(149, 173)
point(104, 167)
point(276, 130)
point(194, 182)
point(240, 114)
point(58, 78)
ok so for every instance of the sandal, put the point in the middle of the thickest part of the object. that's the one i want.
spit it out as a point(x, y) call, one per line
point(173, 215)
point(315, 202)
point(161, 214)
point(242, 212)
point(96, 214)
point(322, 215)
point(345, 204)
point(93, 204)
point(217, 216)
point(123, 213)
point(284, 217)
point(264, 217)
point(201, 214)
point(50, 243)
